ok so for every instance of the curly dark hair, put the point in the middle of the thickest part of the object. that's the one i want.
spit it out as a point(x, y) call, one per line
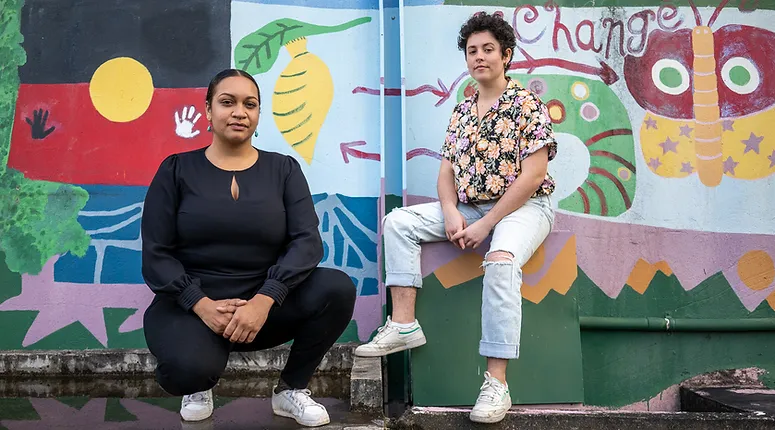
point(501, 30)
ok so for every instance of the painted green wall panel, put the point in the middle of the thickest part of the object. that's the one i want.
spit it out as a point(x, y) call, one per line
point(448, 369)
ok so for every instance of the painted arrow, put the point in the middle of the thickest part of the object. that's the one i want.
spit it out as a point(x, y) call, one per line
point(441, 91)
point(348, 150)
point(604, 72)
point(422, 151)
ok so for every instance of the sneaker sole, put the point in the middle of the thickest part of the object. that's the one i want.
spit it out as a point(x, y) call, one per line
point(488, 419)
point(409, 345)
point(318, 423)
point(193, 416)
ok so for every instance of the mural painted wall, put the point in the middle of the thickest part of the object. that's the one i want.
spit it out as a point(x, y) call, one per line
point(95, 94)
point(664, 170)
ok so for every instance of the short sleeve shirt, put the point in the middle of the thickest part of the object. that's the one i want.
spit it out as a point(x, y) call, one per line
point(486, 156)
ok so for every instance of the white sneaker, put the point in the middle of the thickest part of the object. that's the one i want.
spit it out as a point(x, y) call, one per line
point(390, 339)
point(493, 402)
point(197, 406)
point(298, 404)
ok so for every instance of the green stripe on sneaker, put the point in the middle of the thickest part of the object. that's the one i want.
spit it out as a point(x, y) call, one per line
point(409, 332)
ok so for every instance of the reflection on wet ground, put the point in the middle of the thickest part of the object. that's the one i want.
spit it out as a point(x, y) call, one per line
point(140, 404)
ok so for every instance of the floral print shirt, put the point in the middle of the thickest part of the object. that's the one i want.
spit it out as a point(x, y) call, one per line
point(486, 156)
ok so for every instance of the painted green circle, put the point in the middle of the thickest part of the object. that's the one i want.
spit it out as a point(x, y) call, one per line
point(671, 77)
point(739, 75)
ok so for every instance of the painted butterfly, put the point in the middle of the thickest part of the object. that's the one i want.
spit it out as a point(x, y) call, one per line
point(709, 104)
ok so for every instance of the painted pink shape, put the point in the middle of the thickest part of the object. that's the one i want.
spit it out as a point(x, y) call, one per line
point(60, 304)
point(368, 315)
point(607, 252)
point(55, 414)
point(151, 415)
point(437, 254)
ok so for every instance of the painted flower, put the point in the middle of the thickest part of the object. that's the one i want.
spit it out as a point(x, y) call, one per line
point(464, 160)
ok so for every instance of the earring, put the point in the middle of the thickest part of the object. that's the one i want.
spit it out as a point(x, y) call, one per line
point(255, 133)
point(209, 128)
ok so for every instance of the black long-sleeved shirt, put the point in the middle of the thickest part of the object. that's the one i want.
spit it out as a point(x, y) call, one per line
point(199, 241)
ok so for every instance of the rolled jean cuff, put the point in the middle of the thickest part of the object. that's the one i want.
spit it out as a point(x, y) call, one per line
point(498, 350)
point(403, 280)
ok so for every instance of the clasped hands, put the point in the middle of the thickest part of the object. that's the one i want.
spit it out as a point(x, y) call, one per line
point(235, 319)
point(462, 235)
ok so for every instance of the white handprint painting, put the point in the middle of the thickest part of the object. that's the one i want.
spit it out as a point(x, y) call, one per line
point(184, 124)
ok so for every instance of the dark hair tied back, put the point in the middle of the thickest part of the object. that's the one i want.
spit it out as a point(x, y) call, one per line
point(228, 73)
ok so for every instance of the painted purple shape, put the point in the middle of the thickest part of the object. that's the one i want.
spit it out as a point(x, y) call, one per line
point(728, 125)
point(729, 165)
point(752, 143)
point(687, 167)
point(771, 157)
point(55, 414)
point(685, 131)
point(368, 314)
point(654, 163)
point(60, 304)
point(668, 145)
point(607, 253)
point(650, 123)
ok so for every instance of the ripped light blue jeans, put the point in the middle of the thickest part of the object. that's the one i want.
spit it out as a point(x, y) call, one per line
point(520, 233)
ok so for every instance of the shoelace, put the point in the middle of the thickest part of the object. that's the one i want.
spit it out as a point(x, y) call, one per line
point(302, 398)
point(491, 392)
point(196, 398)
point(381, 332)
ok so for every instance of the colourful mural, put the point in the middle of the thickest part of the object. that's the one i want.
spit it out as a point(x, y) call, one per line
point(92, 120)
point(664, 169)
point(661, 113)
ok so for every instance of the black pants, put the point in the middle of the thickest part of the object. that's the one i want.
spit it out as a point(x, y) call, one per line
point(191, 357)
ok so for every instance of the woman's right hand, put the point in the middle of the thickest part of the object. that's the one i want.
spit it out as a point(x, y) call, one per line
point(454, 221)
point(217, 314)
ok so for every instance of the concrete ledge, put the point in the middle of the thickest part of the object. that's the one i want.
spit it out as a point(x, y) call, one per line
point(140, 362)
point(366, 385)
point(445, 418)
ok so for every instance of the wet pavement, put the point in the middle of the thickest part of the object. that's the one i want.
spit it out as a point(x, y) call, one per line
point(139, 403)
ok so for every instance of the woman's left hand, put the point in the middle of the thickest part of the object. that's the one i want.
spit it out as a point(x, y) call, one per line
point(248, 320)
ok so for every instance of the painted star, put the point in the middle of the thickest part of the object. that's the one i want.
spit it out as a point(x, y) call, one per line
point(752, 143)
point(669, 145)
point(728, 125)
point(685, 131)
point(650, 123)
point(60, 304)
point(654, 163)
point(771, 157)
point(687, 168)
point(729, 165)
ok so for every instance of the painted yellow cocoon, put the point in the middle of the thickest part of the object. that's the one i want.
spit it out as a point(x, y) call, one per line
point(302, 97)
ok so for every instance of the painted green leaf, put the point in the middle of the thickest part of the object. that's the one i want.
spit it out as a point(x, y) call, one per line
point(11, 57)
point(257, 52)
point(38, 219)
